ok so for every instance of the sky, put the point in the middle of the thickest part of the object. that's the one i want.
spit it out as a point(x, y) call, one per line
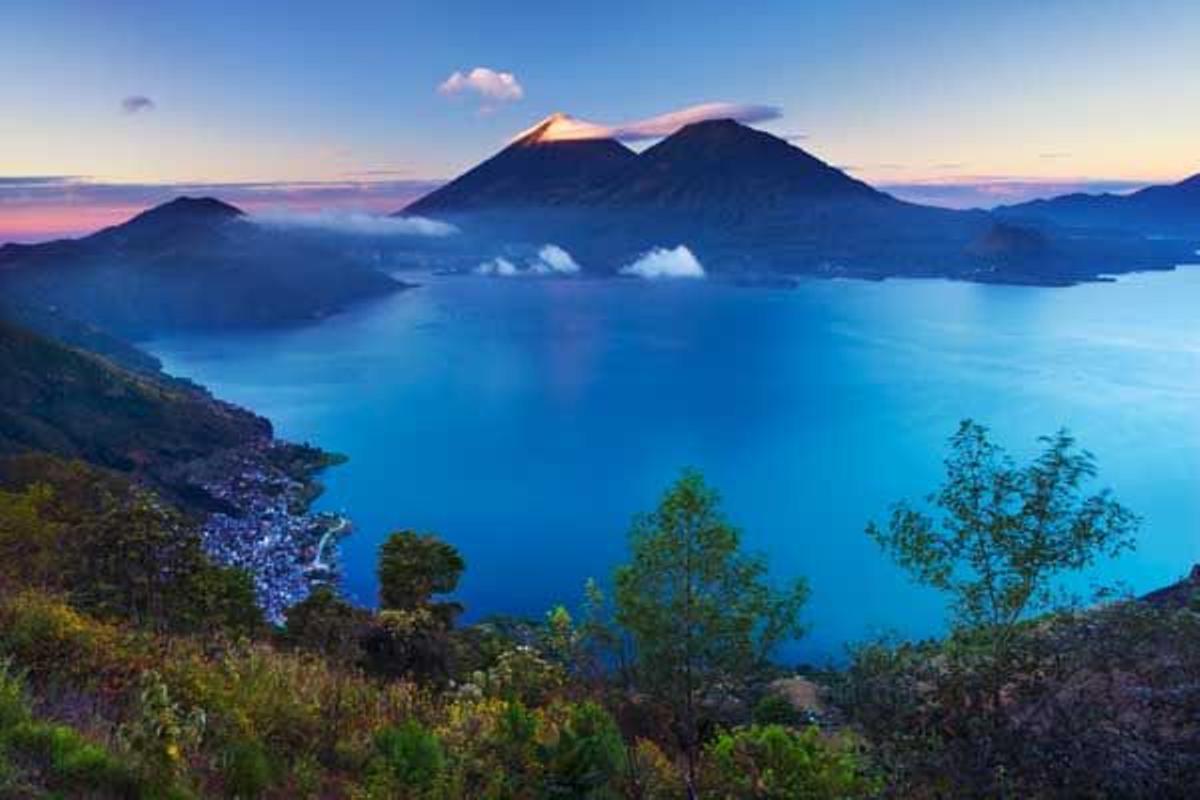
point(106, 107)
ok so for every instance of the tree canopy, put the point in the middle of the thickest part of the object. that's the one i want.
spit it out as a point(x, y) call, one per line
point(1005, 533)
point(413, 567)
point(698, 609)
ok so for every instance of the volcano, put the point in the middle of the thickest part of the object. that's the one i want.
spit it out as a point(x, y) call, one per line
point(721, 164)
point(193, 263)
point(746, 201)
point(542, 166)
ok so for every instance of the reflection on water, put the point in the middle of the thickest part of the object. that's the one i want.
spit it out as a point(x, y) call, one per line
point(526, 421)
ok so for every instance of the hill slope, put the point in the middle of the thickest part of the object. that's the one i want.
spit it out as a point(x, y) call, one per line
point(76, 405)
point(192, 263)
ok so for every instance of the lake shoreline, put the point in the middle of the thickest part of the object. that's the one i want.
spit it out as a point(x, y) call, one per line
point(519, 393)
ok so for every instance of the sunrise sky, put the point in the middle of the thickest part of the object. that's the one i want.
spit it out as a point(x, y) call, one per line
point(111, 106)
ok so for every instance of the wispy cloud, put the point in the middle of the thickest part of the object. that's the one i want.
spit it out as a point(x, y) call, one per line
point(569, 128)
point(989, 191)
point(490, 86)
point(666, 124)
point(137, 103)
point(38, 207)
point(38, 181)
point(888, 166)
point(378, 173)
point(353, 223)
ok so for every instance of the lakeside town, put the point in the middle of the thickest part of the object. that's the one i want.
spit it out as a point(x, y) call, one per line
point(269, 530)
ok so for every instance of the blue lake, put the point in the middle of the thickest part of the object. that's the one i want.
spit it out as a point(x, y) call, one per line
point(526, 421)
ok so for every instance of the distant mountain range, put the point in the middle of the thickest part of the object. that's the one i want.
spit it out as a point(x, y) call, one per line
point(749, 202)
point(1155, 211)
point(192, 263)
point(751, 206)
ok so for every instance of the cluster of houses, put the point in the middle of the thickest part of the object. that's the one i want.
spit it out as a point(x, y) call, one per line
point(270, 532)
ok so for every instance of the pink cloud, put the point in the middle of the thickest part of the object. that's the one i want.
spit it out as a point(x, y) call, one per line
point(564, 127)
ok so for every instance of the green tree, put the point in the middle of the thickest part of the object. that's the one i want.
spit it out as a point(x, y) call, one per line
point(1005, 535)
point(999, 539)
point(134, 558)
point(213, 598)
point(115, 548)
point(413, 568)
point(410, 635)
point(699, 611)
point(326, 623)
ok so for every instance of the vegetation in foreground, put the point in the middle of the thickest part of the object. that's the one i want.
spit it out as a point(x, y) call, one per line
point(130, 666)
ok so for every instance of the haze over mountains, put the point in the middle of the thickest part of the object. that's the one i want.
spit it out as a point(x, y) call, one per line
point(1172, 210)
point(193, 263)
point(748, 205)
point(750, 202)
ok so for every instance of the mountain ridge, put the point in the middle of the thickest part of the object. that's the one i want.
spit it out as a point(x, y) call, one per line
point(1164, 209)
point(746, 201)
point(190, 263)
point(721, 162)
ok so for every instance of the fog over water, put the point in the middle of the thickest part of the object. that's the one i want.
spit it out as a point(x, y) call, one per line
point(526, 421)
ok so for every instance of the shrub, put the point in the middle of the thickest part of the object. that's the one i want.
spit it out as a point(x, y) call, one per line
point(247, 771)
point(522, 675)
point(14, 704)
point(162, 732)
point(68, 758)
point(588, 756)
point(652, 775)
point(771, 762)
point(775, 709)
point(411, 757)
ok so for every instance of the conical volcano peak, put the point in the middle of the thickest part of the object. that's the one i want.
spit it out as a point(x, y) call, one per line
point(560, 127)
point(196, 207)
point(556, 161)
point(171, 222)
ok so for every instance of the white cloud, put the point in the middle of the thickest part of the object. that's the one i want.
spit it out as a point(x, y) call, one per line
point(354, 223)
point(550, 260)
point(491, 86)
point(563, 127)
point(663, 262)
point(497, 266)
